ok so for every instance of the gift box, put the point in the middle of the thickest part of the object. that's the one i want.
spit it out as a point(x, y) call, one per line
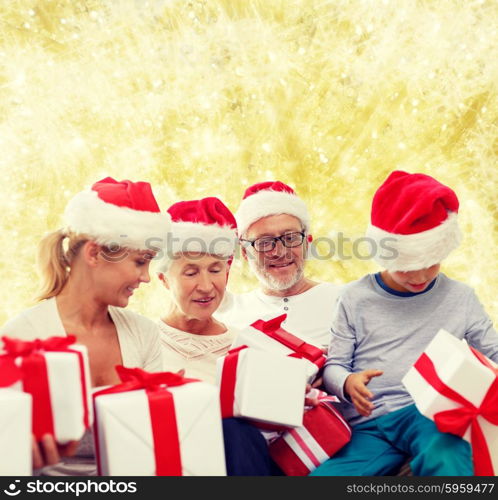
point(15, 433)
point(55, 372)
point(158, 424)
point(324, 432)
point(270, 336)
point(262, 386)
point(457, 387)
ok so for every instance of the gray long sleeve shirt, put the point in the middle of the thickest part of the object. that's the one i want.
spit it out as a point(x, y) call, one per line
point(376, 329)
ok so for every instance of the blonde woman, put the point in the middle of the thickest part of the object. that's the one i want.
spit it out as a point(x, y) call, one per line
point(90, 269)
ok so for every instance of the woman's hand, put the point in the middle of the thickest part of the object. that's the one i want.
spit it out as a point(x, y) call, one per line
point(356, 386)
point(48, 452)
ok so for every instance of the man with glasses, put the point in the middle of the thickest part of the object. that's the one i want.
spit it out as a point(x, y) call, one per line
point(273, 225)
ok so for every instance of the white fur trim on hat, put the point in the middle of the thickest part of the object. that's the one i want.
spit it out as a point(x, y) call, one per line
point(112, 225)
point(412, 252)
point(196, 237)
point(268, 202)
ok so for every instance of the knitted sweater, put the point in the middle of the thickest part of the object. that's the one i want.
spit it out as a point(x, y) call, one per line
point(197, 354)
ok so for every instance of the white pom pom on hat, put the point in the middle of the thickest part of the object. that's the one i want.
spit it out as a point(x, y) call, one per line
point(270, 198)
point(123, 214)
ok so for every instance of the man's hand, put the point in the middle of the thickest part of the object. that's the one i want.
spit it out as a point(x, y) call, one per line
point(356, 387)
point(48, 452)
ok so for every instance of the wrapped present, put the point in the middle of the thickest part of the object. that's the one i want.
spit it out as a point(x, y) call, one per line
point(262, 386)
point(270, 336)
point(324, 432)
point(15, 430)
point(158, 424)
point(55, 372)
point(457, 387)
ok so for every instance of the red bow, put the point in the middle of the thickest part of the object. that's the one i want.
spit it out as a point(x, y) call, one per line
point(16, 347)
point(33, 372)
point(161, 410)
point(301, 349)
point(10, 373)
point(458, 420)
point(142, 379)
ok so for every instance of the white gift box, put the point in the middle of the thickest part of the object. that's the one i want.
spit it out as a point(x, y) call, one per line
point(269, 388)
point(252, 337)
point(66, 392)
point(459, 368)
point(125, 436)
point(15, 433)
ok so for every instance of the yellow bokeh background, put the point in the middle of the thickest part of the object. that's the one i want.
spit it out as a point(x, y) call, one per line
point(203, 98)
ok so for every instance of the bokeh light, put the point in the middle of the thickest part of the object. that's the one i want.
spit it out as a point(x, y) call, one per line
point(203, 98)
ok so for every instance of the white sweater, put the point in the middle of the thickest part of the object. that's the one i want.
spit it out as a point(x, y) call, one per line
point(140, 347)
point(197, 354)
point(309, 314)
point(138, 336)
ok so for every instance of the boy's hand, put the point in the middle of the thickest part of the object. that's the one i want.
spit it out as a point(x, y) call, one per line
point(356, 387)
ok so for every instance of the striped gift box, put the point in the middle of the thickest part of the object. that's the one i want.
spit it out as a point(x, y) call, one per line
point(301, 450)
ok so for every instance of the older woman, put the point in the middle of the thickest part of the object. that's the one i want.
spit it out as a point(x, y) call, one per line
point(195, 271)
point(90, 270)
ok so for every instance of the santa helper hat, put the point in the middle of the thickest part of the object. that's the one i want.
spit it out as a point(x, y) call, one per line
point(270, 198)
point(414, 218)
point(118, 214)
point(204, 226)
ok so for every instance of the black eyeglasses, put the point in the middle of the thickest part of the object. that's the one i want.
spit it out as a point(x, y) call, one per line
point(267, 243)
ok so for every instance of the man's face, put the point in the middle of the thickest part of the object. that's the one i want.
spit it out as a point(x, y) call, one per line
point(282, 267)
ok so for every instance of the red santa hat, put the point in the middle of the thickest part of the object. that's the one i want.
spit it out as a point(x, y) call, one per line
point(123, 214)
point(205, 226)
point(270, 198)
point(413, 222)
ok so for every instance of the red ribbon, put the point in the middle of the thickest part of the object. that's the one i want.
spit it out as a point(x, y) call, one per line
point(458, 420)
point(162, 413)
point(228, 381)
point(17, 347)
point(301, 349)
point(10, 373)
point(34, 375)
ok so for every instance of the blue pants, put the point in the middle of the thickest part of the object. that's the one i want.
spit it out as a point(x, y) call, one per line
point(246, 451)
point(381, 445)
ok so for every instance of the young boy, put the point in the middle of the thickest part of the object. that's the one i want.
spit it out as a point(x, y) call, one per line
point(384, 322)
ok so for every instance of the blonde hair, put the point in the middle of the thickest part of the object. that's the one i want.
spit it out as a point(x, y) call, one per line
point(54, 261)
